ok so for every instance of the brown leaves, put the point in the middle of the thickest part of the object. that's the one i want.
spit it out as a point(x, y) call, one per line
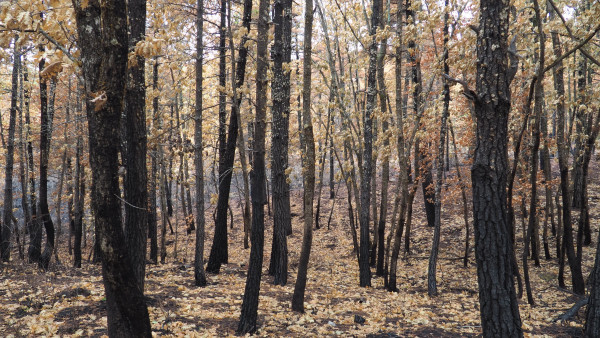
point(52, 70)
point(99, 100)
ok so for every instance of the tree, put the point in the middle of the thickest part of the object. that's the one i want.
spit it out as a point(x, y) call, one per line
point(218, 251)
point(431, 275)
point(493, 246)
point(249, 310)
point(102, 38)
point(280, 92)
point(5, 233)
point(199, 275)
point(367, 163)
point(136, 180)
point(308, 164)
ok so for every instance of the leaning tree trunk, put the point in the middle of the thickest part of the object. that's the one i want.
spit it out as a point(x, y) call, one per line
point(497, 297)
point(219, 249)
point(102, 38)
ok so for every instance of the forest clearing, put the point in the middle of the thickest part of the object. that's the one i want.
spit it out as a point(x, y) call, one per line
point(374, 168)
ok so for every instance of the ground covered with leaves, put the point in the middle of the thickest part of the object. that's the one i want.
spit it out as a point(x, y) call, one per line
point(70, 302)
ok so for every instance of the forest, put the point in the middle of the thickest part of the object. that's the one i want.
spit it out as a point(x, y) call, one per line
point(378, 168)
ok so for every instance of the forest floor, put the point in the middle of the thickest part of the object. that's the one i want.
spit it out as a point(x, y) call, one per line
point(70, 302)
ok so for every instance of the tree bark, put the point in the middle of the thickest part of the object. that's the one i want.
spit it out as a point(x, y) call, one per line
point(281, 52)
point(249, 312)
point(308, 163)
point(367, 155)
point(431, 275)
point(104, 63)
point(493, 246)
point(136, 175)
point(10, 151)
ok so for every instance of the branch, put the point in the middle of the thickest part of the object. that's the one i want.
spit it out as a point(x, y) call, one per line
point(572, 311)
point(562, 18)
point(467, 92)
point(581, 44)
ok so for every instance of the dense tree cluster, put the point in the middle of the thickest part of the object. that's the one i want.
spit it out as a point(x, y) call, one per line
point(174, 113)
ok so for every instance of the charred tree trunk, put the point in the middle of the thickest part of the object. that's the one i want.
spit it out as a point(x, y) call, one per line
point(308, 163)
point(47, 114)
point(10, 151)
point(249, 311)
point(431, 275)
point(493, 246)
point(136, 177)
point(104, 63)
point(199, 273)
point(280, 92)
point(367, 154)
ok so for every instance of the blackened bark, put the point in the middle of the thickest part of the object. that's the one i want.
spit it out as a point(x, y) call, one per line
point(199, 274)
point(280, 92)
point(367, 163)
point(104, 63)
point(219, 249)
point(431, 274)
point(10, 151)
point(493, 246)
point(35, 228)
point(47, 114)
point(379, 244)
point(136, 180)
point(563, 144)
point(78, 201)
point(592, 323)
point(308, 163)
point(249, 311)
point(218, 252)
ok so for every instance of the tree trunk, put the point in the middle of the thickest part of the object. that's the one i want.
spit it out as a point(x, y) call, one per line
point(431, 275)
point(218, 252)
point(308, 163)
point(136, 176)
point(47, 115)
point(199, 274)
point(563, 145)
point(280, 93)
point(367, 155)
point(497, 298)
point(249, 312)
point(8, 181)
point(104, 63)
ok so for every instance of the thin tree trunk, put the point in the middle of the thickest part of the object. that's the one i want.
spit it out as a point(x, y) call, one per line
point(199, 274)
point(249, 311)
point(10, 146)
point(367, 152)
point(431, 275)
point(308, 163)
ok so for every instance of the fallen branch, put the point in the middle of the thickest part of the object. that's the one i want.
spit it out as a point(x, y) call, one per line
point(572, 311)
